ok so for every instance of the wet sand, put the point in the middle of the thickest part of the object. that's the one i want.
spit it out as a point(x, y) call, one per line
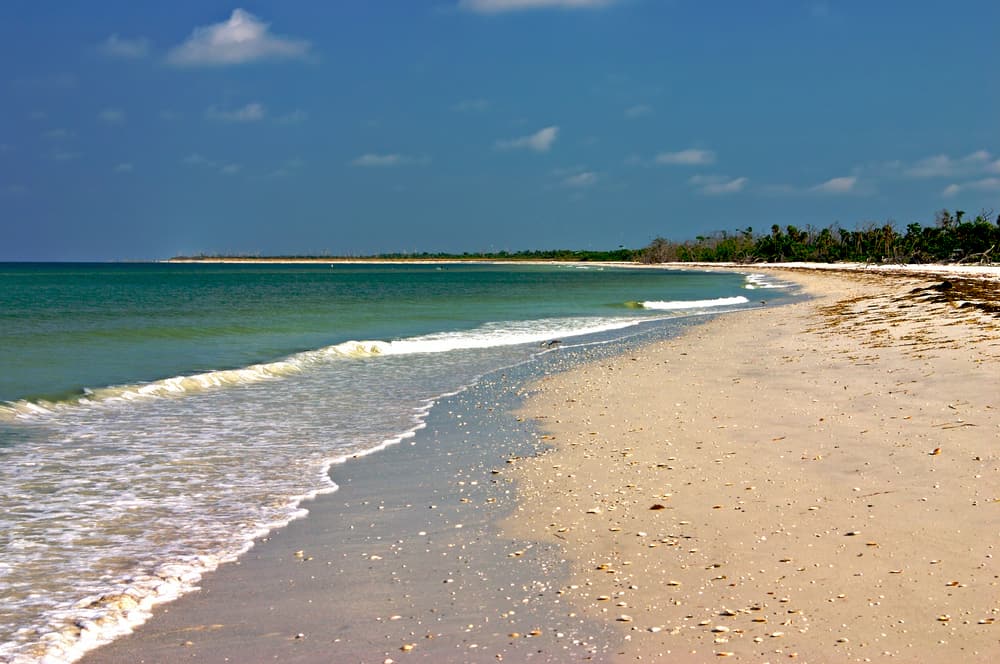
point(819, 482)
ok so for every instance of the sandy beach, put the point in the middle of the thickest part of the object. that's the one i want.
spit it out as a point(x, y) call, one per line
point(818, 482)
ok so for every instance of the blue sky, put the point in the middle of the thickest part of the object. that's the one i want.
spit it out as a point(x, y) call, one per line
point(137, 130)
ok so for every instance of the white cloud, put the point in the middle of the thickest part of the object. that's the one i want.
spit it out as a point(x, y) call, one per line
point(717, 185)
point(294, 117)
point(500, 6)
point(638, 111)
point(842, 185)
point(686, 158)
point(471, 105)
point(252, 112)
point(112, 116)
point(540, 141)
point(197, 160)
point(243, 38)
point(581, 180)
point(287, 169)
point(985, 184)
point(132, 49)
point(372, 160)
point(124, 167)
point(943, 165)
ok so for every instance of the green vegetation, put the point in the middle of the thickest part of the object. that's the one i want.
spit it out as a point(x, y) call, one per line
point(950, 239)
point(621, 254)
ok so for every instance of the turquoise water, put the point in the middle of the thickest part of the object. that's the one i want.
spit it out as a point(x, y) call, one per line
point(156, 418)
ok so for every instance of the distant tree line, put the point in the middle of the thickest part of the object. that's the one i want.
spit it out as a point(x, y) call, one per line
point(951, 239)
point(569, 255)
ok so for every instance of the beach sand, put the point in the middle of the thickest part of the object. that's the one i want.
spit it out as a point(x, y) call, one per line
point(818, 481)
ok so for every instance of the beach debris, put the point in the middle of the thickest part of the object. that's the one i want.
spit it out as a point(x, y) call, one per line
point(658, 506)
point(407, 647)
point(936, 452)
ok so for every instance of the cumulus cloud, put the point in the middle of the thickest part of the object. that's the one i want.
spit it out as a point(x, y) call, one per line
point(718, 185)
point(638, 111)
point(580, 180)
point(686, 158)
point(243, 38)
point(841, 185)
point(112, 116)
point(985, 184)
point(501, 6)
point(129, 49)
point(540, 141)
point(943, 165)
point(196, 160)
point(252, 112)
point(372, 160)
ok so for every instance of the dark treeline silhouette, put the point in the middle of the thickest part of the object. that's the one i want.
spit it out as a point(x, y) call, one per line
point(582, 256)
point(951, 239)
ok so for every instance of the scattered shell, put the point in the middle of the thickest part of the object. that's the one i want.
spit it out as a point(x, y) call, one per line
point(657, 506)
point(720, 629)
point(673, 583)
point(624, 618)
point(937, 451)
point(654, 630)
point(944, 618)
point(594, 510)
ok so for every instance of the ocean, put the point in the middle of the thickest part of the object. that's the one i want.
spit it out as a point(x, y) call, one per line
point(155, 419)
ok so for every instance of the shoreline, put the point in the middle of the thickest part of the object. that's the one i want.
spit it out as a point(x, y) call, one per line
point(817, 481)
point(560, 625)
